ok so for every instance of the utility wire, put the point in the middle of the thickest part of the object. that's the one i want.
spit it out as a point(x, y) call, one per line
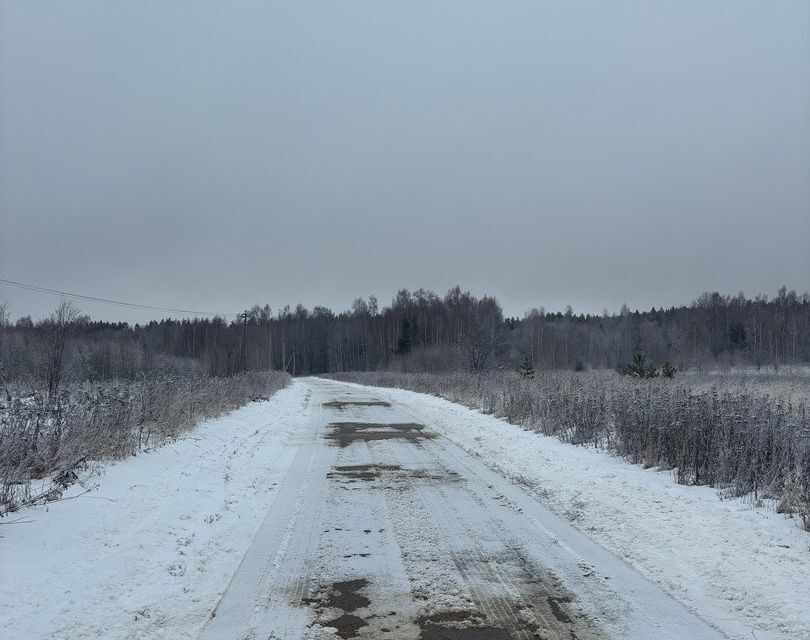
point(120, 303)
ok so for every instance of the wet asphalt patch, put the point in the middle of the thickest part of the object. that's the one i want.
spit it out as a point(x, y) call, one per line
point(348, 597)
point(365, 472)
point(347, 625)
point(393, 476)
point(345, 433)
point(534, 613)
point(459, 625)
point(342, 404)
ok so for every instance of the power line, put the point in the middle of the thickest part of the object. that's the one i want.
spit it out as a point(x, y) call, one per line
point(120, 303)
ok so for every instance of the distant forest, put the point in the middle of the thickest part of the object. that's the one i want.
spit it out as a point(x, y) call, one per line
point(418, 331)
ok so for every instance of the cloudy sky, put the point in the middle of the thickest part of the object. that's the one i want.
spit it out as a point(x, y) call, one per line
point(209, 155)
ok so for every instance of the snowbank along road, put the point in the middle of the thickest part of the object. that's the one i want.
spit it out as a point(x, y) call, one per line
point(383, 529)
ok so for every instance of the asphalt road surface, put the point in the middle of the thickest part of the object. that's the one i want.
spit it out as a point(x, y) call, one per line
point(383, 529)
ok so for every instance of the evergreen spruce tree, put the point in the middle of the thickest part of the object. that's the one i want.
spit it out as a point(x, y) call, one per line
point(404, 341)
point(640, 368)
point(526, 368)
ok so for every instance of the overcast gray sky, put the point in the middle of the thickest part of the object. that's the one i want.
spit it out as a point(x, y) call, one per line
point(212, 155)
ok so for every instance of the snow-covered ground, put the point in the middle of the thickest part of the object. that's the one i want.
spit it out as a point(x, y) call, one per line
point(147, 554)
point(745, 569)
point(249, 524)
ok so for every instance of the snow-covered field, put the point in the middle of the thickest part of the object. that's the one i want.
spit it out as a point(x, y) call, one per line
point(147, 553)
point(248, 523)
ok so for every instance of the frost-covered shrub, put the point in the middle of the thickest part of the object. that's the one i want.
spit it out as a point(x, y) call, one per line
point(42, 436)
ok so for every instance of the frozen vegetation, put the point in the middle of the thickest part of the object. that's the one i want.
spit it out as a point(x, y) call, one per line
point(47, 440)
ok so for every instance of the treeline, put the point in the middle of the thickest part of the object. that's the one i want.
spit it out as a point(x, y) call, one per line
point(714, 330)
point(418, 331)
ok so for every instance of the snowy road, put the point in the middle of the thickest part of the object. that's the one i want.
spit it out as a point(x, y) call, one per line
point(382, 528)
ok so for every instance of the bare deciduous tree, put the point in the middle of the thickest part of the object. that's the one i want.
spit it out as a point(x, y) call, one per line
point(52, 340)
point(4, 321)
point(5, 306)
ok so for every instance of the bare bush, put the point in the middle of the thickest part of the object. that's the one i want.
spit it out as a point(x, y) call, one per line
point(49, 435)
point(720, 435)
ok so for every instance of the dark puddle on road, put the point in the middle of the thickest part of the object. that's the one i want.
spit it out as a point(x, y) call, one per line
point(342, 404)
point(459, 625)
point(345, 433)
point(394, 472)
point(348, 625)
point(365, 472)
point(347, 597)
